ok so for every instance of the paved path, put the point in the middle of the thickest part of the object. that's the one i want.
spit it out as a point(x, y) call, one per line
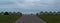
point(29, 19)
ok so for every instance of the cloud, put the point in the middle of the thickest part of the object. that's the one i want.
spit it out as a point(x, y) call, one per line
point(31, 5)
point(28, 4)
point(25, 4)
point(7, 4)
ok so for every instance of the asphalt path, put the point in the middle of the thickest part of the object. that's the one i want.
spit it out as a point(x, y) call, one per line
point(29, 19)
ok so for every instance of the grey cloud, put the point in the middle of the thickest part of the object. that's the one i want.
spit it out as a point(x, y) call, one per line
point(6, 3)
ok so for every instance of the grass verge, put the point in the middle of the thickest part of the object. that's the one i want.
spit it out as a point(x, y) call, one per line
point(50, 18)
point(8, 18)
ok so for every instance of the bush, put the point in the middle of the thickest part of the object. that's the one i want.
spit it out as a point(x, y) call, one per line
point(21, 14)
point(48, 13)
point(37, 14)
point(6, 13)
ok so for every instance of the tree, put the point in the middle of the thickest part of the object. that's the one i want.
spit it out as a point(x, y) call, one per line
point(37, 14)
point(10, 13)
point(6, 13)
point(50, 13)
point(14, 13)
point(2, 13)
point(21, 14)
point(58, 13)
point(41, 12)
point(46, 13)
point(18, 12)
point(54, 13)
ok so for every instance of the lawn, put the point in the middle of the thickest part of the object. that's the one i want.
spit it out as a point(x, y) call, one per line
point(8, 18)
point(50, 18)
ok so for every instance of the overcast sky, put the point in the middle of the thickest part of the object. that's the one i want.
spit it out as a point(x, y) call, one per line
point(29, 6)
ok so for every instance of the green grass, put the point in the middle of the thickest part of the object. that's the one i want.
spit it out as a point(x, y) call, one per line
point(8, 18)
point(50, 18)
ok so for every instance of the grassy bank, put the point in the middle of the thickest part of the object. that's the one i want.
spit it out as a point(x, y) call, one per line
point(50, 18)
point(8, 18)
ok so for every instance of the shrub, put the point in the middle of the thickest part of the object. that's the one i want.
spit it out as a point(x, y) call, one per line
point(6, 13)
point(21, 14)
point(41, 12)
point(37, 14)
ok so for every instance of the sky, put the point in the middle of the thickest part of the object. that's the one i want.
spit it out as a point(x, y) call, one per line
point(29, 6)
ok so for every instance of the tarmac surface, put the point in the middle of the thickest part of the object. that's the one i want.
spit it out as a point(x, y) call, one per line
point(29, 19)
